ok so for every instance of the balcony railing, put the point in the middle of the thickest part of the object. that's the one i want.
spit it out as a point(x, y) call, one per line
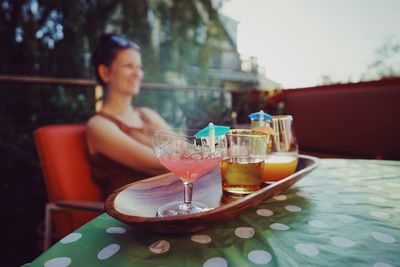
point(180, 105)
point(340, 120)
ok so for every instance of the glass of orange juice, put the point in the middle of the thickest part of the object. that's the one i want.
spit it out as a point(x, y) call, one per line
point(283, 150)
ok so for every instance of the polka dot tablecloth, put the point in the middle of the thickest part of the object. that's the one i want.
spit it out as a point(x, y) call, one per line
point(345, 213)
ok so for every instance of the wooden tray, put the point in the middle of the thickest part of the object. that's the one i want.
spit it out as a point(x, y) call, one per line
point(137, 203)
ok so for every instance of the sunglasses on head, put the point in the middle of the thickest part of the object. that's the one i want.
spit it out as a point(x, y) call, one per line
point(115, 43)
point(120, 41)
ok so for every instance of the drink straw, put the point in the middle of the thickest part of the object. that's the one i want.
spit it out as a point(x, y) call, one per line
point(261, 118)
point(211, 137)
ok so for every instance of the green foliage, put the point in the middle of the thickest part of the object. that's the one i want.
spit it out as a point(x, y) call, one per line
point(387, 62)
point(189, 109)
point(245, 103)
point(55, 38)
point(23, 108)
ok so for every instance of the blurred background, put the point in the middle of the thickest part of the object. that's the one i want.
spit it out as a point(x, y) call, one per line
point(204, 61)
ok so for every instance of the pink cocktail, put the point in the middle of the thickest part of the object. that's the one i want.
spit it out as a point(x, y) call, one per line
point(190, 169)
point(189, 158)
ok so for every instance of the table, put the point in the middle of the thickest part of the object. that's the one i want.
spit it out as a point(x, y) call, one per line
point(345, 213)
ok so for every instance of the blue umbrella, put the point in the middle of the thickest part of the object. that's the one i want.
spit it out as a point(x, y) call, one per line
point(261, 115)
point(218, 130)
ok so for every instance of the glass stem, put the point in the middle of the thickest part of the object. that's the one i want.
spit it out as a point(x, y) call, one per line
point(187, 195)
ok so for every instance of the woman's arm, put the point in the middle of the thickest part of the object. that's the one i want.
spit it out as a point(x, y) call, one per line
point(105, 137)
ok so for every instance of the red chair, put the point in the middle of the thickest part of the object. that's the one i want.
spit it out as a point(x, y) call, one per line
point(73, 197)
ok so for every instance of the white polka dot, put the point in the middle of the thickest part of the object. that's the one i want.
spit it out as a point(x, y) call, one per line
point(377, 199)
point(280, 197)
point(346, 218)
point(58, 262)
point(390, 184)
point(395, 195)
point(116, 230)
point(379, 214)
point(202, 239)
point(351, 189)
point(307, 250)
point(342, 242)
point(265, 212)
point(216, 262)
point(292, 208)
point(382, 237)
point(382, 264)
point(108, 251)
point(353, 172)
point(71, 238)
point(160, 246)
point(349, 201)
point(331, 192)
point(245, 232)
point(303, 194)
point(317, 224)
point(324, 205)
point(378, 187)
point(259, 256)
point(279, 226)
point(354, 179)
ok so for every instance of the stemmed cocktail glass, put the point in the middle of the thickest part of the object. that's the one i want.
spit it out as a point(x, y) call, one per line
point(189, 158)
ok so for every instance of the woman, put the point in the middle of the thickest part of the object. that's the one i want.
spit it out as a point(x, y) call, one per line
point(119, 137)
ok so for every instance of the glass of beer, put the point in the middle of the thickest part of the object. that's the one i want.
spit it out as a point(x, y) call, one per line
point(242, 168)
point(283, 150)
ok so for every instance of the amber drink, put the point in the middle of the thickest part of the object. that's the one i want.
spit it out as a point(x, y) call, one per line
point(241, 176)
point(242, 168)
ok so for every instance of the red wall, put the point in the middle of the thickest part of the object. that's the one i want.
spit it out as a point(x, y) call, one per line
point(348, 120)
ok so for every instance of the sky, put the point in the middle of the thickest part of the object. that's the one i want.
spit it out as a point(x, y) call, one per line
point(299, 41)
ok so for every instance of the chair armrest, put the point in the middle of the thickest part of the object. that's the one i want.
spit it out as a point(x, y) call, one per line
point(81, 205)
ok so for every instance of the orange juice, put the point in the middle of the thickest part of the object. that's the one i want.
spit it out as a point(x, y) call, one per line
point(277, 167)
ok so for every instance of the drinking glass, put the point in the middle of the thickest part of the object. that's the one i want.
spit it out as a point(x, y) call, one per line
point(242, 168)
point(283, 150)
point(189, 158)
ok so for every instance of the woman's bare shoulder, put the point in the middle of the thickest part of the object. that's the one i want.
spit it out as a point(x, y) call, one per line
point(149, 112)
point(94, 121)
point(97, 122)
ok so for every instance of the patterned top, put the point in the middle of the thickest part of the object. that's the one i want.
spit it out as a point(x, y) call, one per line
point(109, 174)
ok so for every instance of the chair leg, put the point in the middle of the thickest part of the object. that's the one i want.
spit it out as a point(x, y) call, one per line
point(48, 226)
point(48, 222)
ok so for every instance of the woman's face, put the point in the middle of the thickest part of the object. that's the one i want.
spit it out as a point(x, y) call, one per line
point(125, 73)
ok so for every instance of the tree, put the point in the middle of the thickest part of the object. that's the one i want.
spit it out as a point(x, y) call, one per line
point(55, 37)
point(326, 79)
point(387, 62)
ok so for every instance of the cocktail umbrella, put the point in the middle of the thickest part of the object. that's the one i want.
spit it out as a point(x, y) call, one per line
point(260, 116)
point(218, 130)
point(210, 132)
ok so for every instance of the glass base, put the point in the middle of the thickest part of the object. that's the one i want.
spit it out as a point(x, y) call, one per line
point(179, 208)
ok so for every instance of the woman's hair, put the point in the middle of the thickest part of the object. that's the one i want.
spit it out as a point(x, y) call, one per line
point(106, 50)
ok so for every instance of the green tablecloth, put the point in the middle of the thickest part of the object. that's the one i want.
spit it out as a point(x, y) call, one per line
point(345, 213)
